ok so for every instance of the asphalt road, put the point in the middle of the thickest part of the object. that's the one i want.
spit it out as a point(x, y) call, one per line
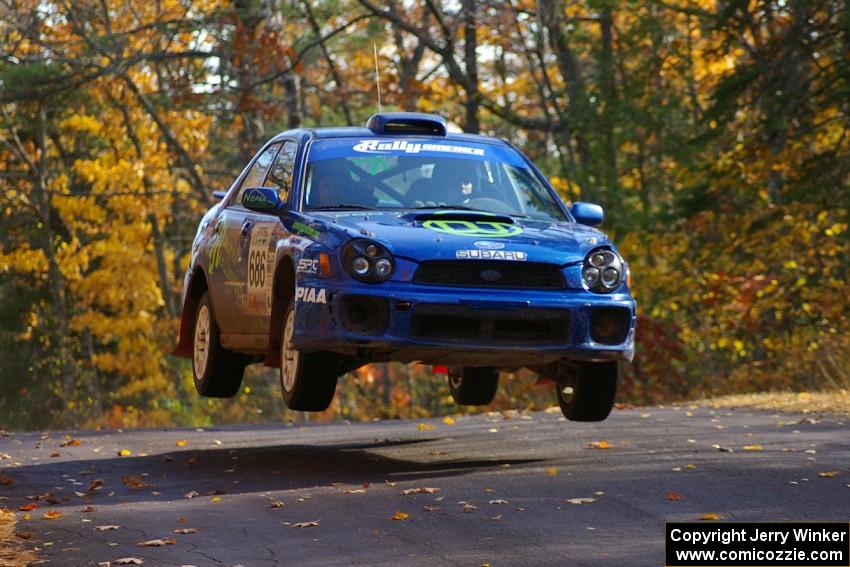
point(513, 489)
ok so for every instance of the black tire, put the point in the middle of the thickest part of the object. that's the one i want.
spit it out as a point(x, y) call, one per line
point(472, 386)
point(587, 390)
point(308, 380)
point(217, 371)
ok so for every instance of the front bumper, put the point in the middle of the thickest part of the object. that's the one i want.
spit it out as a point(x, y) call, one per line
point(464, 326)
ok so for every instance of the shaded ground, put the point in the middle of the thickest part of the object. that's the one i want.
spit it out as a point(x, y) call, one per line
point(505, 485)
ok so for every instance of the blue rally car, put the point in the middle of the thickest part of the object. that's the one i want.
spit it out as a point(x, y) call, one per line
point(337, 247)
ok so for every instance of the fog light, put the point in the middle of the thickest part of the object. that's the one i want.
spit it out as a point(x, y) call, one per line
point(604, 327)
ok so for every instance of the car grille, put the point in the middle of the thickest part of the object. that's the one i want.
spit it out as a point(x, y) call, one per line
point(502, 327)
point(482, 273)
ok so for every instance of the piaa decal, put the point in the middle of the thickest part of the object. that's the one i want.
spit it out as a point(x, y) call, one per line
point(310, 295)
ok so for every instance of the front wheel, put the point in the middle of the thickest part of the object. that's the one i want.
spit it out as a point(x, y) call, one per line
point(472, 386)
point(217, 371)
point(587, 390)
point(308, 380)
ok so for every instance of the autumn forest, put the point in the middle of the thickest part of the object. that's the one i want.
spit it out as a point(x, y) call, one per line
point(715, 133)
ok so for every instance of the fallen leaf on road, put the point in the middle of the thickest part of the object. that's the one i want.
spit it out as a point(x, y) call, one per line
point(673, 496)
point(161, 542)
point(599, 445)
point(467, 508)
point(448, 420)
point(432, 508)
point(125, 453)
point(5, 480)
point(134, 482)
point(24, 535)
point(95, 484)
point(755, 447)
point(496, 518)
point(498, 502)
point(191, 494)
point(277, 504)
point(552, 471)
point(711, 516)
point(129, 561)
point(53, 515)
point(192, 462)
point(181, 443)
point(827, 474)
point(306, 524)
point(70, 443)
point(581, 500)
point(354, 491)
point(420, 490)
point(215, 499)
point(425, 426)
point(399, 515)
point(106, 528)
point(28, 507)
point(722, 448)
point(186, 531)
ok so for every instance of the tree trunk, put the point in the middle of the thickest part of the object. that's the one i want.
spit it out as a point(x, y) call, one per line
point(470, 42)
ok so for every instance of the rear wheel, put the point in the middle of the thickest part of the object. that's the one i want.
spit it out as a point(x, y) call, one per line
point(587, 390)
point(471, 386)
point(217, 371)
point(308, 380)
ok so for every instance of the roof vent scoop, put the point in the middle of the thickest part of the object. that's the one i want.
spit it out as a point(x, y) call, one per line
point(407, 123)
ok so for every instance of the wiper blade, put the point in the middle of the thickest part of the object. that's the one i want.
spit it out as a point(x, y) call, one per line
point(342, 206)
point(455, 207)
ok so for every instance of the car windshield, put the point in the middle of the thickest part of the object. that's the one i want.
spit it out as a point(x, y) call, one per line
point(355, 174)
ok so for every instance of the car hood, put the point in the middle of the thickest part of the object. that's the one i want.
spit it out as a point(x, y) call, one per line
point(444, 235)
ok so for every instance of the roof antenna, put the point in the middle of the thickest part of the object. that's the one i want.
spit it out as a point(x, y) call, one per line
point(377, 76)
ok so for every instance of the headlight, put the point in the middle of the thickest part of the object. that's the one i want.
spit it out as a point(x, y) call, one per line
point(367, 261)
point(603, 271)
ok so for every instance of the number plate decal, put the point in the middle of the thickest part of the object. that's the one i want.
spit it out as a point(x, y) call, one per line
point(260, 270)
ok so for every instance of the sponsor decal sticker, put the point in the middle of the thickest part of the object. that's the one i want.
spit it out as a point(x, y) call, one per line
point(403, 146)
point(305, 230)
point(257, 199)
point(308, 266)
point(509, 255)
point(489, 229)
point(310, 295)
point(487, 245)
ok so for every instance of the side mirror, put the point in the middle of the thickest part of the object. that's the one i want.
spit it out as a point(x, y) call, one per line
point(590, 214)
point(262, 200)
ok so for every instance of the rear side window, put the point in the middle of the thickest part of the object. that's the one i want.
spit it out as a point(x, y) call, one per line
point(258, 171)
point(280, 173)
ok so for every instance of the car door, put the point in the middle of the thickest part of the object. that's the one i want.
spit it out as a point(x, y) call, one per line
point(230, 251)
point(265, 230)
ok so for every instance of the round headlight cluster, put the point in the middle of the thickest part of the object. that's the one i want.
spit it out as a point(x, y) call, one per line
point(367, 261)
point(603, 271)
